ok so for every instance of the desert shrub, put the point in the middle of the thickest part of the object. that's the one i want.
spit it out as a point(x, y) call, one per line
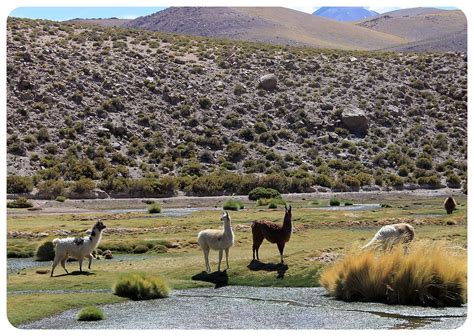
point(60, 199)
point(141, 287)
point(334, 202)
point(235, 151)
point(20, 202)
point(268, 201)
point(19, 184)
point(347, 203)
point(45, 251)
point(429, 275)
point(324, 180)
point(43, 135)
point(260, 192)
point(233, 205)
point(429, 181)
point(453, 180)
point(52, 188)
point(424, 163)
point(205, 102)
point(90, 313)
point(154, 208)
point(140, 248)
point(83, 185)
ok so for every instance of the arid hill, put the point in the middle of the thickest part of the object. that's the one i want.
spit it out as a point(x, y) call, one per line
point(109, 22)
point(116, 108)
point(265, 24)
point(345, 13)
point(428, 29)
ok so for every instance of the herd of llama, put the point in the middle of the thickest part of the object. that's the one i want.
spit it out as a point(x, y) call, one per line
point(222, 240)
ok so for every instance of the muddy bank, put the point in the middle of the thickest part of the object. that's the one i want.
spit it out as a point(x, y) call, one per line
point(238, 307)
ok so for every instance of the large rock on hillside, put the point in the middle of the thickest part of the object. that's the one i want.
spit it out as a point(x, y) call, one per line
point(355, 120)
point(268, 82)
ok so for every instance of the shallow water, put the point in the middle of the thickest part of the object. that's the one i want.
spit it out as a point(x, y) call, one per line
point(239, 307)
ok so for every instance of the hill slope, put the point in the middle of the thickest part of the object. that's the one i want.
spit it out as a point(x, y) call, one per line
point(110, 22)
point(440, 29)
point(265, 24)
point(109, 104)
point(345, 13)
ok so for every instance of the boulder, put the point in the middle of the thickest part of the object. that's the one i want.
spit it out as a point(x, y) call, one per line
point(355, 120)
point(268, 82)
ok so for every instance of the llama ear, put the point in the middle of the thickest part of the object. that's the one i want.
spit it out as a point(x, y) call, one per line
point(227, 214)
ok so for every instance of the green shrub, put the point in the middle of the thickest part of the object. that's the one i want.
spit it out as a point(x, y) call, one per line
point(60, 199)
point(19, 184)
point(260, 192)
point(141, 287)
point(233, 205)
point(347, 203)
point(83, 185)
point(205, 102)
point(334, 202)
point(20, 202)
point(90, 313)
point(273, 204)
point(140, 248)
point(154, 208)
point(45, 251)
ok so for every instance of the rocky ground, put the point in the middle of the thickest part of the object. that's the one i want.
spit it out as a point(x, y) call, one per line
point(102, 103)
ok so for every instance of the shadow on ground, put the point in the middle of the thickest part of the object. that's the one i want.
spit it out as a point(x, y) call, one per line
point(257, 265)
point(74, 273)
point(220, 279)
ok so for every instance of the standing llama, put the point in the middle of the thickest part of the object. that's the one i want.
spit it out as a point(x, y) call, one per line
point(392, 234)
point(273, 232)
point(450, 205)
point(78, 248)
point(221, 240)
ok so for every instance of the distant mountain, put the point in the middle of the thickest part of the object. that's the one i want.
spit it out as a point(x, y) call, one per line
point(345, 13)
point(275, 25)
point(108, 22)
point(427, 29)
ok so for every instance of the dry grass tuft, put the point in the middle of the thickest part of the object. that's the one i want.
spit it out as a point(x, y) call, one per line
point(429, 274)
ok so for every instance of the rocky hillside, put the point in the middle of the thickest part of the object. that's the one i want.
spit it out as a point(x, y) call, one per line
point(345, 13)
point(265, 24)
point(94, 106)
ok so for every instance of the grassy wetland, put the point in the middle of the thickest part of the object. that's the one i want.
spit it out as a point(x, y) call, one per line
point(160, 245)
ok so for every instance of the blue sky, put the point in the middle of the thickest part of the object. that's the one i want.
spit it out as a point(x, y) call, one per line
point(67, 13)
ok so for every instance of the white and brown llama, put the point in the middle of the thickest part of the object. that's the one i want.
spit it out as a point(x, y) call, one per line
point(390, 235)
point(78, 248)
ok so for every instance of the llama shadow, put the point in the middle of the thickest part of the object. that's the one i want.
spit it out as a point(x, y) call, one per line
point(219, 279)
point(74, 273)
point(280, 268)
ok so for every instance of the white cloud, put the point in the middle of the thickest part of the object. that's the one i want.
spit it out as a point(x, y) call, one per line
point(128, 16)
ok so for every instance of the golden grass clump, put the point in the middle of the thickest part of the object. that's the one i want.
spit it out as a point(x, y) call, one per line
point(138, 286)
point(428, 274)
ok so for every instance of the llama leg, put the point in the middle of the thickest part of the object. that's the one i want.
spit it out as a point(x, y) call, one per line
point(227, 257)
point(90, 260)
point(55, 263)
point(257, 241)
point(281, 246)
point(206, 259)
point(63, 264)
point(80, 263)
point(220, 259)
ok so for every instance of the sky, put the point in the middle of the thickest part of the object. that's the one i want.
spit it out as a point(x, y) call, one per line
point(67, 13)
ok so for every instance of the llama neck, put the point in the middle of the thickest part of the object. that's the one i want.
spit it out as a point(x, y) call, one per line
point(227, 227)
point(287, 223)
point(95, 237)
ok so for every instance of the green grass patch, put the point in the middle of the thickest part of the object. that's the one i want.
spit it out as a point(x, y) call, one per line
point(154, 208)
point(31, 307)
point(90, 313)
point(334, 202)
point(233, 205)
point(138, 286)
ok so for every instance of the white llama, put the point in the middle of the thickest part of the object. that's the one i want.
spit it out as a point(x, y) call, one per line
point(78, 248)
point(220, 240)
point(389, 235)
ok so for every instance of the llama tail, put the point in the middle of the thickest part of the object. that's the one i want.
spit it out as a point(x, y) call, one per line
point(56, 241)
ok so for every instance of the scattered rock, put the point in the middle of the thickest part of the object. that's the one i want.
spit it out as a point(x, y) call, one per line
point(355, 120)
point(268, 82)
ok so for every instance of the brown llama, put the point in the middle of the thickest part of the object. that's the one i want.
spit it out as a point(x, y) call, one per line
point(450, 205)
point(273, 232)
